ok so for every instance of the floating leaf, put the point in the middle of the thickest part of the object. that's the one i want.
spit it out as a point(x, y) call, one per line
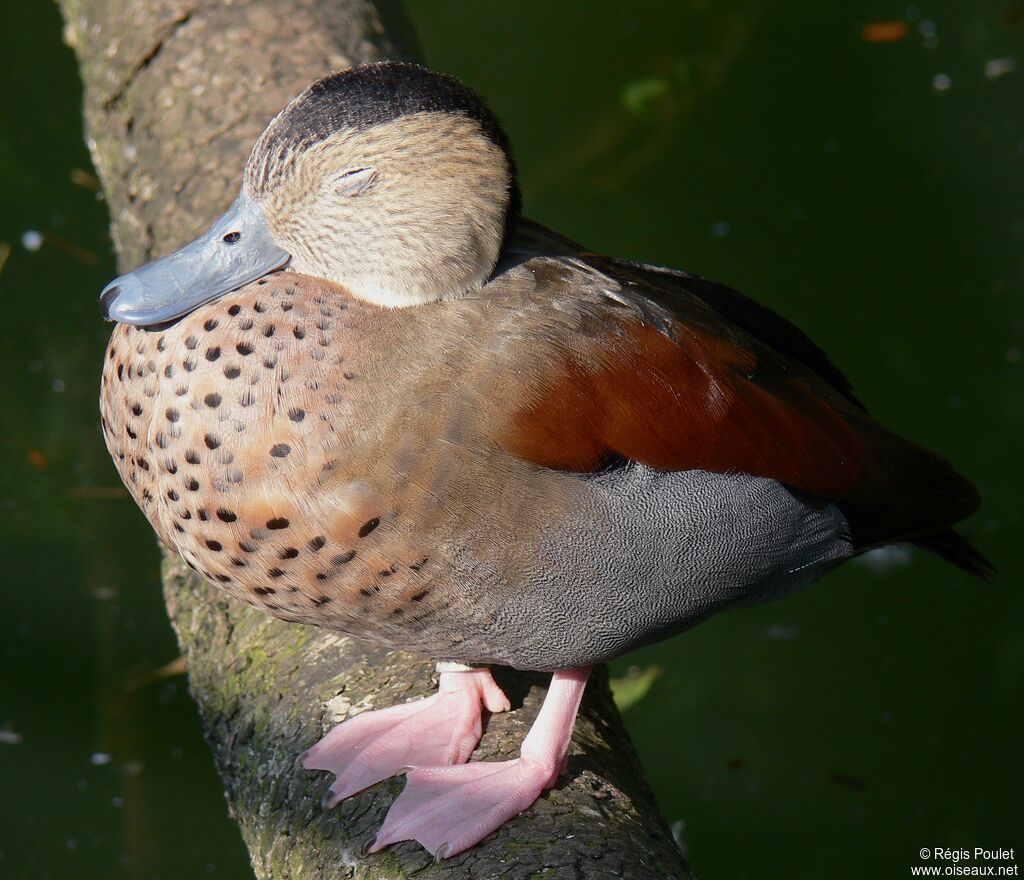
point(885, 31)
point(631, 688)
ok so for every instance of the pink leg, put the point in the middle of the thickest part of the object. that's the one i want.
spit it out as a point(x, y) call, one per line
point(440, 730)
point(449, 809)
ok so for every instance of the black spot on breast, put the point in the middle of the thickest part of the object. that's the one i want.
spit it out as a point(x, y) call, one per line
point(234, 310)
point(225, 515)
point(259, 307)
point(246, 547)
point(296, 414)
point(289, 553)
point(280, 450)
point(192, 484)
point(211, 441)
point(275, 572)
point(268, 331)
point(212, 400)
point(299, 333)
point(245, 324)
point(191, 342)
point(223, 578)
point(278, 522)
point(369, 526)
point(342, 558)
point(169, 371)
point(172, 414)
point(232, 372)
point(243, 349)
point(215, 545)
point(213, 353)
point(137, 409)
point(323, 600)
point(316, 543)
point(172, 495)
point(203, 515)
point(263, 591)
point(131, 433)
point(420, 596)
point(211, 324)
point(191, 456)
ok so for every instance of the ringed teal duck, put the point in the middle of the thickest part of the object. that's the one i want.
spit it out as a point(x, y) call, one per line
point(374, 398)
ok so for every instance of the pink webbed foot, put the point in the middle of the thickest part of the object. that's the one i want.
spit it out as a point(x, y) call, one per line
point(449, 809)
point(439, 730)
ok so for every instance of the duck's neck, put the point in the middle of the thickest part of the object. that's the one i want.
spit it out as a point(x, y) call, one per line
point(395, 283)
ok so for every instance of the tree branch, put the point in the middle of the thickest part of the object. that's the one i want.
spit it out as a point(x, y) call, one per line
point(176, 93)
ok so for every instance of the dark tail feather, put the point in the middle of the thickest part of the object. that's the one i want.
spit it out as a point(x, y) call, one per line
point(955, 548)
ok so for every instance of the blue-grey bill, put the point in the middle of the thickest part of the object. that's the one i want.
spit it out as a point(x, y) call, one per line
point(237, 249)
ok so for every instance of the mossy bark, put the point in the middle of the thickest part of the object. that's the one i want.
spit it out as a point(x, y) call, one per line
point(176, 91)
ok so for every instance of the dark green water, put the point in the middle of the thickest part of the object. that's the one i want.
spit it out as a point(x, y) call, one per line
point(833, 734)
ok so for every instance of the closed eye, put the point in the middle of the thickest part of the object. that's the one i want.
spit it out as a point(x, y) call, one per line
point(355, 181)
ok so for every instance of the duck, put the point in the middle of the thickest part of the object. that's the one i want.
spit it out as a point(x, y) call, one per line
point(374, 397)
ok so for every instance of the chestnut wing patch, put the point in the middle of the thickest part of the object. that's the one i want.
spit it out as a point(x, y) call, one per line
point(688, 398)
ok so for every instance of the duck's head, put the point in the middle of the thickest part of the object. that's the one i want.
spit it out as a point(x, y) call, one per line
point(389, 179)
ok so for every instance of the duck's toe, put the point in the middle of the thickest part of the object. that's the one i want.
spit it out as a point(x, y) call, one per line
point(450, 809)
point(436, 731)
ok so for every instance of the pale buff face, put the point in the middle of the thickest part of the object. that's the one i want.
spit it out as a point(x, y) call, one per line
point(403, 213)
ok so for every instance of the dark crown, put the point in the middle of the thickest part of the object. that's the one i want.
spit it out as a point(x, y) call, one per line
point(374, 94)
